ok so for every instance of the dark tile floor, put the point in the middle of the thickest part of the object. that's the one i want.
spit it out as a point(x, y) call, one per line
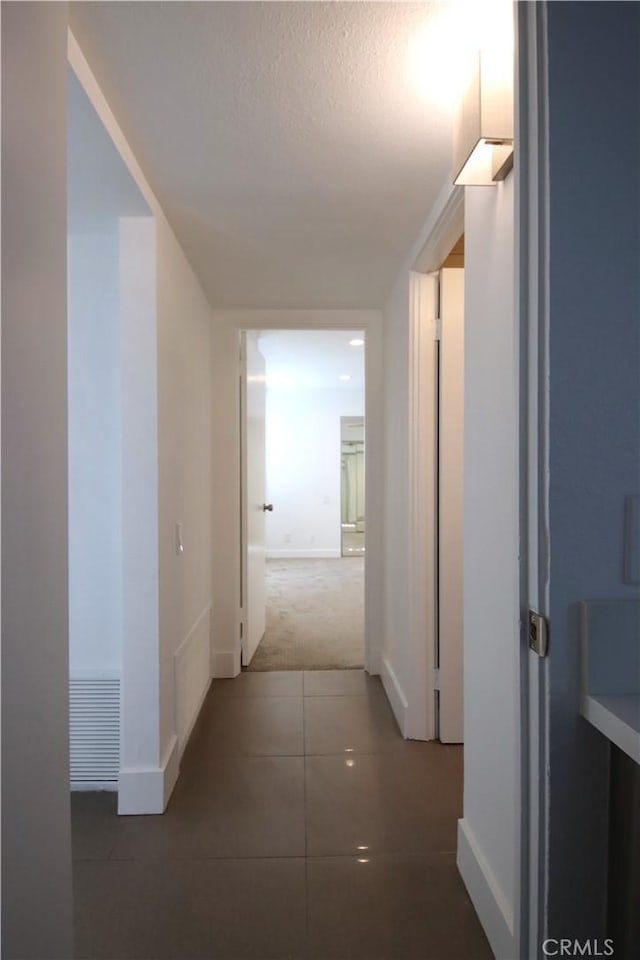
point(302, 826)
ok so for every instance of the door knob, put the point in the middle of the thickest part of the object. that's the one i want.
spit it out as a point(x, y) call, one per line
point(267, 506)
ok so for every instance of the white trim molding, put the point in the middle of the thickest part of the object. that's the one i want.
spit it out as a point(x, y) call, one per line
point(146, 790)
point(532, 287)
point(225, 663)
point(227, 505)
point(443, 229)
point(422, 496)
point(395, 695)
point(488, 899)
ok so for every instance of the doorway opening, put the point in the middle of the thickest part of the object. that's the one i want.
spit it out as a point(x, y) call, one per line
point(303, 496)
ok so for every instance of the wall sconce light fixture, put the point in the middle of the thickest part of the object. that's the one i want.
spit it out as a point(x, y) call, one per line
point(483, 125)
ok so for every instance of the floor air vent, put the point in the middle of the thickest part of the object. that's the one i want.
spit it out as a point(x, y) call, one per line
point(94, 730)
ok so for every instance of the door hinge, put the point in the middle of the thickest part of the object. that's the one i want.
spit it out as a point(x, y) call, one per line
point(437, 329)
point(538, 634)
point(436, 679)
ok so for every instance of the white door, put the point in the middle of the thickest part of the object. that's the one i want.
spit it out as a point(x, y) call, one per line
point(252, 412)
point(451, 440)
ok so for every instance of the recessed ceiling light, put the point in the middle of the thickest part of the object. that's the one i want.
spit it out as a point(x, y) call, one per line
point(344, 376)
point(356, 343)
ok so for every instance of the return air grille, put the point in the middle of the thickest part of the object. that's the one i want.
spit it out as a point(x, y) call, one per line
point(94, 730)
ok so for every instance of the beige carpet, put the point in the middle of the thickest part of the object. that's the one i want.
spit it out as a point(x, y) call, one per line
point(315, 615)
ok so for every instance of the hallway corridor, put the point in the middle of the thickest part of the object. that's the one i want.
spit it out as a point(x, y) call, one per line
point(302, 826)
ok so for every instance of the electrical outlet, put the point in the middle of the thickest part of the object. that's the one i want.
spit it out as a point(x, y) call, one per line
point(287, 538)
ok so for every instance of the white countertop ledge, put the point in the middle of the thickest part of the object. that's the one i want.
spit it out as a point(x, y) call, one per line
point(617, 717)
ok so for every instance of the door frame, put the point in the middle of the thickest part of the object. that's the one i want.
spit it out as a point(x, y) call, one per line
point(371, 322)
point(447, 224)
point(246, 397)
point(532, 288)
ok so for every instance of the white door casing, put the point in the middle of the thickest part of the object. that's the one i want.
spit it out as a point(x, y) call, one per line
point(228, 552)
point(532, 278)
point(253, 405)
point(422, 473)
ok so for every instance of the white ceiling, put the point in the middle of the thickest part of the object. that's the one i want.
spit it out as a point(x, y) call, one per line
point(312, 359)
point(288, 143)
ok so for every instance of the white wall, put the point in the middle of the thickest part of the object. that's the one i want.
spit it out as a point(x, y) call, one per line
point(488, 852)
point(36, 854)
point(169, 668)
point(185, 488)
point(139, 791)
point(225, 414)
point(95, 412)
point(303, 468)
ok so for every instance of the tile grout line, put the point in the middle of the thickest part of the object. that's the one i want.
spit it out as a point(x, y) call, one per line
point(377, 855)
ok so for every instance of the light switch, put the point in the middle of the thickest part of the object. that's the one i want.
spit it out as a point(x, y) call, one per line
point(179, 543)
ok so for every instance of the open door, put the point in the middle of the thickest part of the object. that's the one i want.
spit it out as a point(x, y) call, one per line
point(450, 484)
point(252, 429)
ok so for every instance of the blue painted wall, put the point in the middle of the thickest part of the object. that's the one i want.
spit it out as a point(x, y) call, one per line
point(594, 131)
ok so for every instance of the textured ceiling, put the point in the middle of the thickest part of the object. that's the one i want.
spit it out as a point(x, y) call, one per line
point(291, 151)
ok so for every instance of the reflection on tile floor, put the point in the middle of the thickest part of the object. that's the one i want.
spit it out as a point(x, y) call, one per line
point(302, 826)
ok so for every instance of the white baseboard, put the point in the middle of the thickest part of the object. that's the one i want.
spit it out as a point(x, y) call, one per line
point(488, 899)
point(146, 790)
point(395, 693)
point(225, 663)
point(333, 554)
point(171, 769)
